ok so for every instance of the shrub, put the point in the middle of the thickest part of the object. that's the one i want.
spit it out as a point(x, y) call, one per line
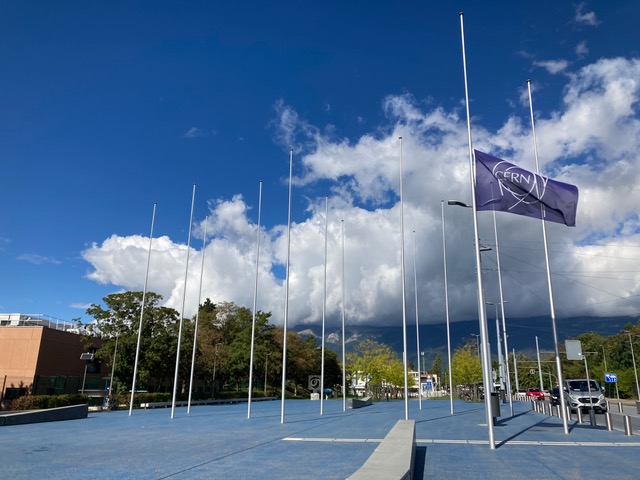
point(39, 402)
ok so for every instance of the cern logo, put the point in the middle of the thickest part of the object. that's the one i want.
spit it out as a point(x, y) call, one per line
point(314, 382)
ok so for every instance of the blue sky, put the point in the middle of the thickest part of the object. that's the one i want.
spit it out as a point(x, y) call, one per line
point(108, 107)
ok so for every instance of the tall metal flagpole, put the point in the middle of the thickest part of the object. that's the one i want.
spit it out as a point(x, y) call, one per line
point(255, 303)
point(184, 297)
point(404, 303)
point(415, 282)
point(344, 368)
point(324, 301)
point(286, 293)
point(446, 310)
point(504, 321)
point(482, 316)
point(144, 294)
point(546, 259)
point(195, 330)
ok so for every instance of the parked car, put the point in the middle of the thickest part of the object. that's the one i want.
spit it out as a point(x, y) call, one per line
point(535, 394)
point(555, 396)
point(583, 397)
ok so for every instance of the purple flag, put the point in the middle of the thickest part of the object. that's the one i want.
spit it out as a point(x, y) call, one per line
point(505, 187)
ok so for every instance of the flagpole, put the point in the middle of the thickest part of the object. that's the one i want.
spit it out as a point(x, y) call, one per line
point(324, 302)
point(184, 297)
point(546, 259)
point(344, 368)
point(415, 282)
point(482, 318)
point(144, 294)
point(255, 303)
point(446, 310)
point(504, 321)
point(286, 292)
point(195, 331)
point(404, 303)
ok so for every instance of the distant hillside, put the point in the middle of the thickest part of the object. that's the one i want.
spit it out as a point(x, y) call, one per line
point(433, 338)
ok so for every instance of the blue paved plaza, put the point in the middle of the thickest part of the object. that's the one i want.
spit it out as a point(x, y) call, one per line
point(220, 442)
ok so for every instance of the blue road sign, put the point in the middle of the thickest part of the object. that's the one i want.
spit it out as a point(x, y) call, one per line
point(611, 377)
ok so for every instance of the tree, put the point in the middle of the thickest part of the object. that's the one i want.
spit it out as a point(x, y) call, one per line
point(378, 365)
point(436, 367)
point(121, 318)
point(466, 368)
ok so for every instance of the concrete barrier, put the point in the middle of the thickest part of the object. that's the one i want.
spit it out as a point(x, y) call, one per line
point(393, 459)
point(73, 412)
point(360, 402)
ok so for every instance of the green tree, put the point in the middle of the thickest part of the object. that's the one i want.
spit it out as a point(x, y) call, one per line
point(120, 318)
point(378, 365)
point(466, 368)
point(436, 367)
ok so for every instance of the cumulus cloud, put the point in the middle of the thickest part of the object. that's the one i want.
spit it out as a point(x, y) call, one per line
point(591, 139)
point(582, 49)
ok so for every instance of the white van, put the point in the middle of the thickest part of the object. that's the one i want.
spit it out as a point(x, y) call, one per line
point(580, 396)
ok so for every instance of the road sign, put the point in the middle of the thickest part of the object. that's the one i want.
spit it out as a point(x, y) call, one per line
point(532, 372)
point(611, 377)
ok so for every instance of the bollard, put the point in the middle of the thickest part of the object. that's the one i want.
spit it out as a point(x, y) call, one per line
point(550, 410)
point(607, 419)
point(620, 407)
point(627, 425)
point(592, 417)
point(579, 412)
point(559, 412)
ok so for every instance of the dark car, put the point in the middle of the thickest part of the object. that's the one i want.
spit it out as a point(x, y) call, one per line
point(555, 396)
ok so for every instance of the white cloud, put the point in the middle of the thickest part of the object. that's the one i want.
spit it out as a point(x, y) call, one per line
point(585, 18)
point(553, 66)
point(38, 259)
point(582, 49)
point(195, 132)
point(592, 140)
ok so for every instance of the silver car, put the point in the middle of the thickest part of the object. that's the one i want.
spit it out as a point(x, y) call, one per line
point(583, 397)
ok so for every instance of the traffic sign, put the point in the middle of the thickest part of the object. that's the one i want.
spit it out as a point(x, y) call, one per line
point(611, 377)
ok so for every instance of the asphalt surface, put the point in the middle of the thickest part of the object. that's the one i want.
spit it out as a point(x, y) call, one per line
point(220, 442)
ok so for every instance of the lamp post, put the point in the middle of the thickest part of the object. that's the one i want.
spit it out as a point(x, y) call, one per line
point(604, 359)
point(113, 369)
point(635, 370)
point(500, 364)
point(266, 362)
point(215, 363)
point(539, 366)
point(88, 357)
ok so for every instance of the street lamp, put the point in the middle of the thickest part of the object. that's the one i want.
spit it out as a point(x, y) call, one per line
point(215, 362)
point(633, 357)
point(89, 358)
point(499, 344)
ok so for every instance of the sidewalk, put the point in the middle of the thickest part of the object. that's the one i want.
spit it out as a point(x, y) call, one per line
point(220, 442)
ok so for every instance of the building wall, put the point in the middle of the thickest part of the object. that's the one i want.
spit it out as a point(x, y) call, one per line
point(19, 347)
point(28, 353)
